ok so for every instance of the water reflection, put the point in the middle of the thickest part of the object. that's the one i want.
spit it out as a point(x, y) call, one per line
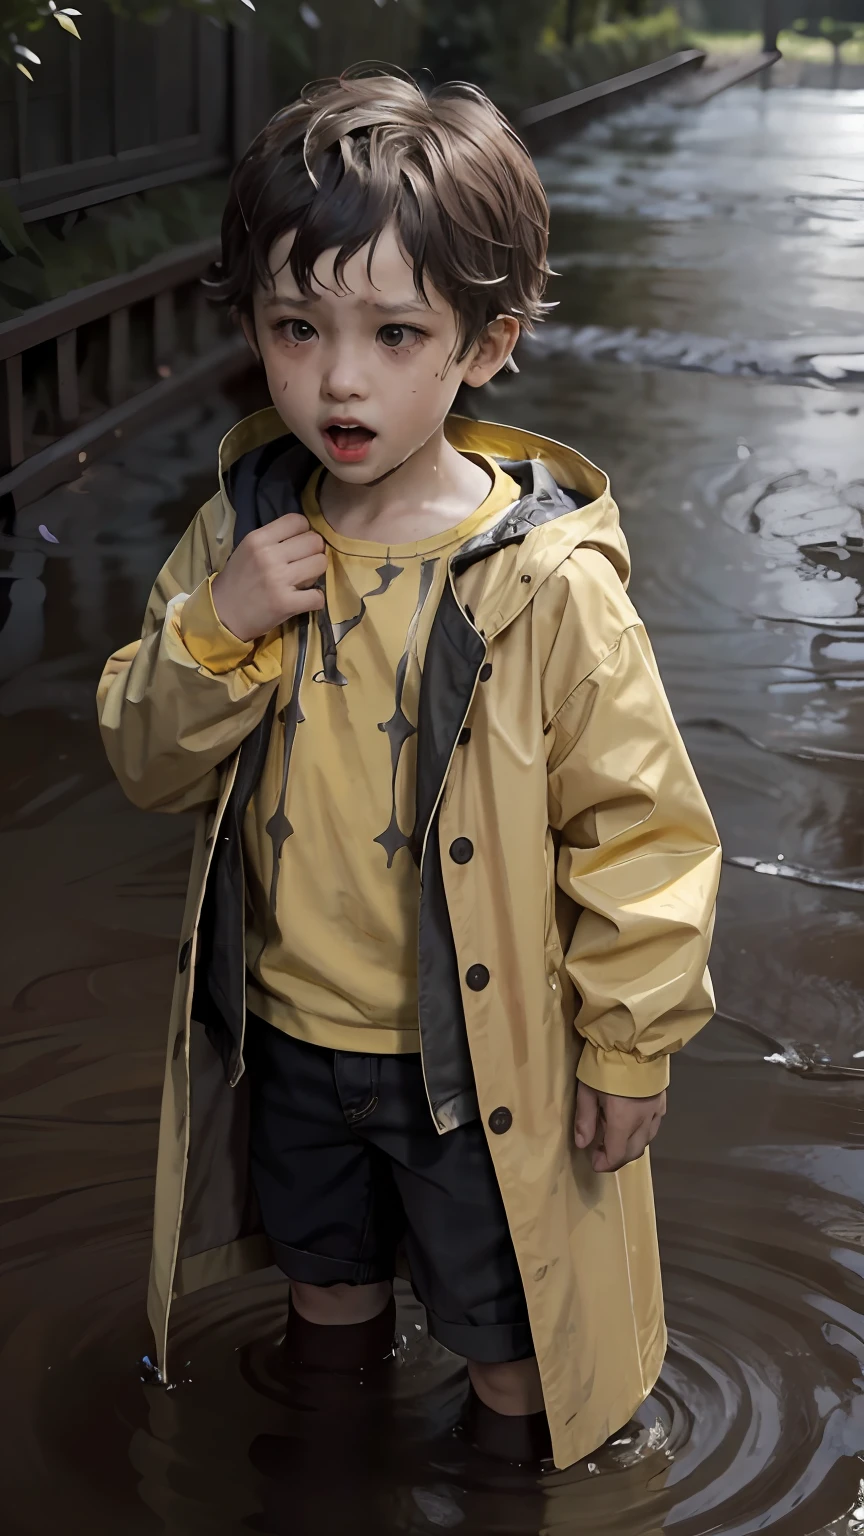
point(742, 491)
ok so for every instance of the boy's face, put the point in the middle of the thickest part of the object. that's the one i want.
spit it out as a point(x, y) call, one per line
point(357, 370)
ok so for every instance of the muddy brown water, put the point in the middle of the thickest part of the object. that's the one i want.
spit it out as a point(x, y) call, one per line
point(712, 278)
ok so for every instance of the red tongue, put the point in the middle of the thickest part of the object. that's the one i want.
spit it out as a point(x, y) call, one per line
point(349, 437)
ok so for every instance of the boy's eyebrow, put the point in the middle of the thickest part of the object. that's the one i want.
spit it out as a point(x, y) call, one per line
point(303, 301)
point(416, 306)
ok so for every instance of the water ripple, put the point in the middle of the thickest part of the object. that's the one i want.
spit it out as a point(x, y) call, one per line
point(811, 359)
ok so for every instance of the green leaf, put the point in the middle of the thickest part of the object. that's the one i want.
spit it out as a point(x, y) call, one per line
point(13, 234)
point(22, 284)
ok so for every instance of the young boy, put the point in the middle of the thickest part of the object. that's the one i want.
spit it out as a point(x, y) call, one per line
point(454, 878)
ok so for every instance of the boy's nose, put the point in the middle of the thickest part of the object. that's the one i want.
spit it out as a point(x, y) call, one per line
point(344, 377)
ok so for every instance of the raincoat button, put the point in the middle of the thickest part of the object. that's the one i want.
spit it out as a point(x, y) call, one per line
point(464, 736)
point(526, 579)
point(500, 1120)
point(183, 959)
point(477, 977)
point(485, 671)
point(462, 850)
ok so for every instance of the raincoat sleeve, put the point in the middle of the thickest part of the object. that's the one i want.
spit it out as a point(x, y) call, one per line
point(639, 853)
point(176, 703)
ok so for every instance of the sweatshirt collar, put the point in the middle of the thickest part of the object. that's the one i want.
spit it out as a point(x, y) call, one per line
point(566, 503)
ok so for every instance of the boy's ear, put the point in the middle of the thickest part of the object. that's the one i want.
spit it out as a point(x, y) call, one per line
point(491, 350)
point(248, 325)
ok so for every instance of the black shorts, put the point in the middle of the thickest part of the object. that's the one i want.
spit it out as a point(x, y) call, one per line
point(347, 1163)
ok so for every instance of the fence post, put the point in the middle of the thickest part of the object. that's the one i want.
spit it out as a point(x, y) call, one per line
point(202, 320)
point(67, 378)
point(164, 341)
point(11, 413)
point(118, 356)
point(769, 26)
point(242, 89)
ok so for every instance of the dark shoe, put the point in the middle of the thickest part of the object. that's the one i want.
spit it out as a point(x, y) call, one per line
point(523, 1440)
point(341, 1347)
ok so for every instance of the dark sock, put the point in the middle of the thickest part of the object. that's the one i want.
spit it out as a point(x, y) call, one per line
point(340, 1346)
point(519, 1438)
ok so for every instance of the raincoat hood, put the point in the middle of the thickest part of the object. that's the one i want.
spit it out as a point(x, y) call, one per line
point(566, 503)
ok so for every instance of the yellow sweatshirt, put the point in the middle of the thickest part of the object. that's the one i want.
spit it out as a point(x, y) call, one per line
point(331, 945)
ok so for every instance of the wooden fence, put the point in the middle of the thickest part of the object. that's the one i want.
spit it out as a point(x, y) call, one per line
point(132, 107)
point(135, 107)
point(120, 353)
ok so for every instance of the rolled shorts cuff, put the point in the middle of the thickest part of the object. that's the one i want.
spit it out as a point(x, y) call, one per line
point(490, 1345)
point(318, 1269)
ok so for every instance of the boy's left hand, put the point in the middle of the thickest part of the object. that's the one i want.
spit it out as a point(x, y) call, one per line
point(616, 1130)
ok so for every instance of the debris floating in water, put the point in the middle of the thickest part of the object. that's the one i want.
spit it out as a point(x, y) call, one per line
point(796, 872)
point(438, 1506)
point(812, 1061)
point(47, 535)
point(150, 1372)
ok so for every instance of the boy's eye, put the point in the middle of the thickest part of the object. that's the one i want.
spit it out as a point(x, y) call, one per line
point(394, 335)
point(297, 330)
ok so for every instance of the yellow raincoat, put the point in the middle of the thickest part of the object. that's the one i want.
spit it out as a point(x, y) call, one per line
point(587, 908)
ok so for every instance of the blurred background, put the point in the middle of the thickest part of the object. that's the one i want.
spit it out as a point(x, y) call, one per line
point(167, 95)
point(704, 170)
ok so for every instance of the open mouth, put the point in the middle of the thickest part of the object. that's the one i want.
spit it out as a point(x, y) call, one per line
point(348, 443)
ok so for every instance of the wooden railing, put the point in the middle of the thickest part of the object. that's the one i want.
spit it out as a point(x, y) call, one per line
point(545, 124)
point(102, 374)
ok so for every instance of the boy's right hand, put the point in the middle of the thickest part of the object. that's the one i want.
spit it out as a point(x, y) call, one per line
point(270, 577)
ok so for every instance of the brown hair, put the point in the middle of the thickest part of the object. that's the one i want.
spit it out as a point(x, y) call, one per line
point(352, 153)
